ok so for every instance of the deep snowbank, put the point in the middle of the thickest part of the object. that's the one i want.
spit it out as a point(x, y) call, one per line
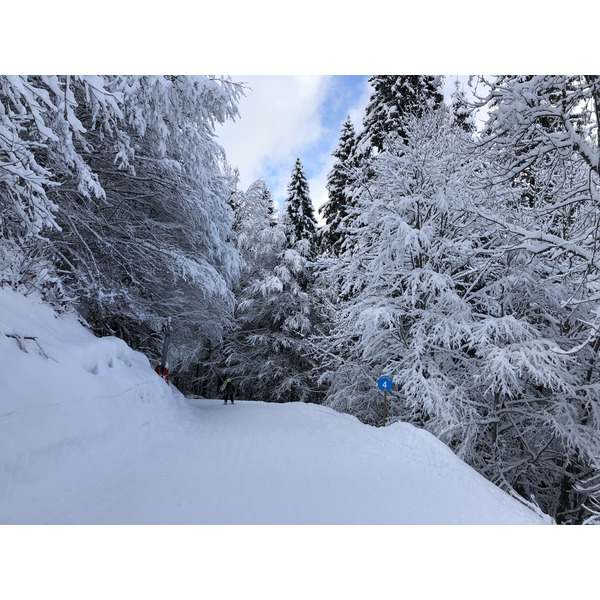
point(68, 400)
point(90, 434)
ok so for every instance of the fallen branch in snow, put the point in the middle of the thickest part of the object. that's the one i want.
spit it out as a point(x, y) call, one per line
point(22, 346)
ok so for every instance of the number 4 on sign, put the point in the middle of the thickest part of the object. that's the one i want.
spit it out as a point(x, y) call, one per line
point(385, 384)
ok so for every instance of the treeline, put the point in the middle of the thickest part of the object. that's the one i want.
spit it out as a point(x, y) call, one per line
point(459, 260)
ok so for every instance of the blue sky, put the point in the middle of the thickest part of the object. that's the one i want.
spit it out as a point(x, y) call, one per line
point(286, 117)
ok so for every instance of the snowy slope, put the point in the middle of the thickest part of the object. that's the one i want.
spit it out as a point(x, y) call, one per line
point(90, 435)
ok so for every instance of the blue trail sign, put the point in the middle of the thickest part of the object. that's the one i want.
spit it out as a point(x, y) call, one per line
point(385, 383)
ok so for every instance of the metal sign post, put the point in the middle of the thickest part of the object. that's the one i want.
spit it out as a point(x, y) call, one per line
point(167, 329)
point(385, 384)
point(162, 369)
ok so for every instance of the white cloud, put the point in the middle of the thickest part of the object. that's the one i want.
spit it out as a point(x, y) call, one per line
point(278, 118)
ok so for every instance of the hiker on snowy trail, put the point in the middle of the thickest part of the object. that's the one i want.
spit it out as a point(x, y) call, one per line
point(229, 390)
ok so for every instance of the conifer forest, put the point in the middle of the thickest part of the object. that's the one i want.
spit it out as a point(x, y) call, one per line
point(458, 253)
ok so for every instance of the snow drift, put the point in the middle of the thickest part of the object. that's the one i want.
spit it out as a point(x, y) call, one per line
point(90, 434)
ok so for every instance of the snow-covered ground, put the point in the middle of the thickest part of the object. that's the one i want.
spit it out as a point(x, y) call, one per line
point(89, 434)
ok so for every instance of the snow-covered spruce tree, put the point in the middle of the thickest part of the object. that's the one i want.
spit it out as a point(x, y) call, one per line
point(460, 108)
point(266, 351)
point(256, 239)
point(467, 330)
point(254, 211)
point(254, 208)
point(252, 233)
point(394, 98)
point(300, 212)
point(341, 176)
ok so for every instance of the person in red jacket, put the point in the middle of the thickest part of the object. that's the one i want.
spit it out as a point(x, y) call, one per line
point(229, 391)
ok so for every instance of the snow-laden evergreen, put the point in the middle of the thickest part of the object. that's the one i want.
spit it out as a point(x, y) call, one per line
point(300, 211)
point(394, 98)
point(335, 210)
point(265, 349)
point(459, 106)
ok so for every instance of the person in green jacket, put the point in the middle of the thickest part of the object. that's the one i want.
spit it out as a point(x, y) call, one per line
point(229, 391)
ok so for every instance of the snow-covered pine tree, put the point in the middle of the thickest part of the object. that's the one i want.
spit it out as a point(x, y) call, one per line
point(300, 212)
point(394, 98)
point(460, 108)
point(265, 349)
point(341, 176)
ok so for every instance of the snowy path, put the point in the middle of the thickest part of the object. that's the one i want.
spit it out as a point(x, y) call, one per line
point(94, 436)
point(258, 463)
